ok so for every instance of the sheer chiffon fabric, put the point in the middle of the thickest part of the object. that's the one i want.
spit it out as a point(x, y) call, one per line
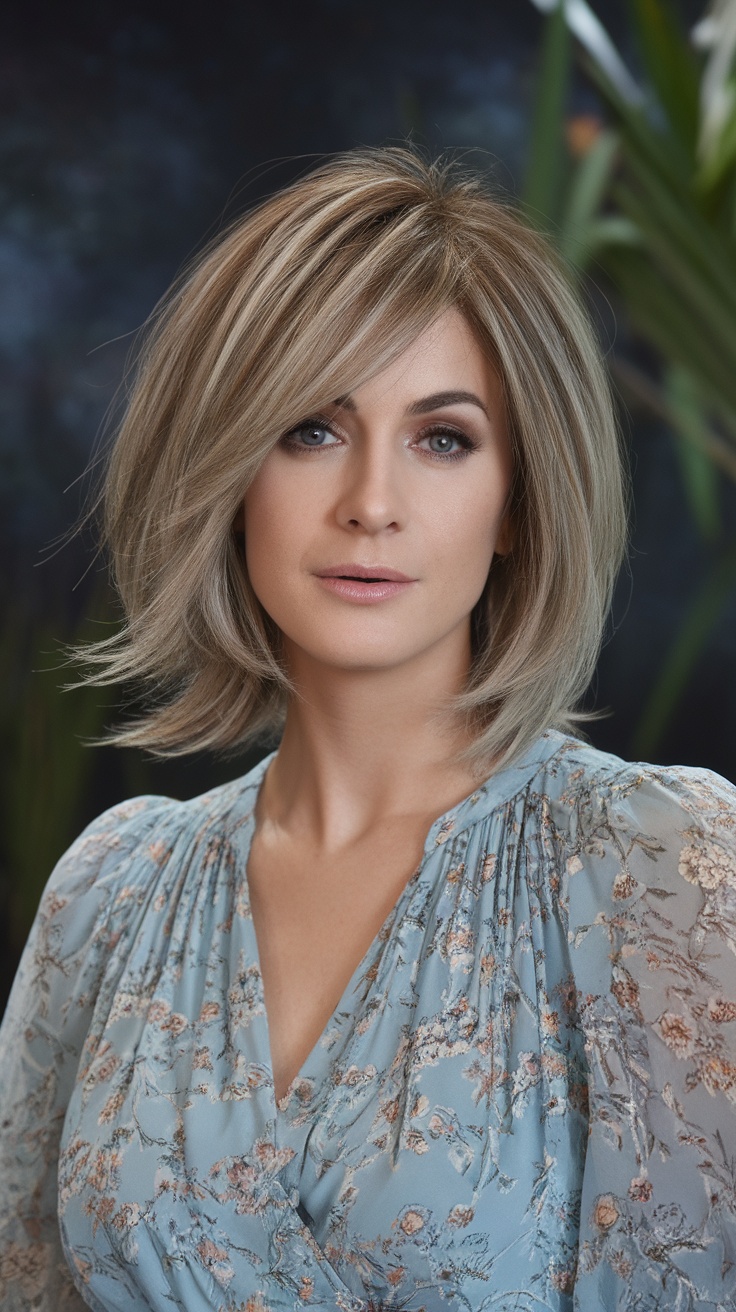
point(525, 1098)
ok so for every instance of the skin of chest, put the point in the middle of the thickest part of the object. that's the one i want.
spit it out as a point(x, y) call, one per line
point(315, 918)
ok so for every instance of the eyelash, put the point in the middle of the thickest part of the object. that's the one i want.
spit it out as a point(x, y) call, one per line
point(466, 443)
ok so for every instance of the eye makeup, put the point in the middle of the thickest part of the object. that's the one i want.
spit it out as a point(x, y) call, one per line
point(317, 425)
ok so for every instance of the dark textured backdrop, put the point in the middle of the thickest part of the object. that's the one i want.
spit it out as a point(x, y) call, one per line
point(128, 134)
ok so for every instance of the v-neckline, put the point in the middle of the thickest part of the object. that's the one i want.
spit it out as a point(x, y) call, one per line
point(381, 939)
point(440, 830)
point(343, 1010)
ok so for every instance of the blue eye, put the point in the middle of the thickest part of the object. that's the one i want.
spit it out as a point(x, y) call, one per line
point(444, 439)
point(310, 435)
point(443, 442)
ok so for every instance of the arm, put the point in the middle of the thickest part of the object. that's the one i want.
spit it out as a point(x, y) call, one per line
point(41, 1050)
point(652, 900)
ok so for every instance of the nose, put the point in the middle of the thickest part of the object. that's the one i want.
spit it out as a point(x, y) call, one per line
point(371, 497)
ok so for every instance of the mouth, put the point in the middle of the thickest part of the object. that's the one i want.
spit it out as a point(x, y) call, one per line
point(364, 584)
point(365, 574)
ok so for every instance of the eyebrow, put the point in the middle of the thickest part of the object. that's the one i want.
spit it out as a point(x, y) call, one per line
point(426, 403)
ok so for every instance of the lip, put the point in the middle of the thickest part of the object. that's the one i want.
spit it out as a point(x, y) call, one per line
point(363, 591)
point(377, 573)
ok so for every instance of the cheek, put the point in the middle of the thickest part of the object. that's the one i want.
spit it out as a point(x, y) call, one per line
point(267, 512)
point(275, 524)
point(468, 531)
point(264, 521)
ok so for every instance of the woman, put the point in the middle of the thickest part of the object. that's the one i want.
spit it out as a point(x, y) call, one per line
point(436, 1006)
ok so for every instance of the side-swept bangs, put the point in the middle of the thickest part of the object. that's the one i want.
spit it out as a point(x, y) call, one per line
point(312, 293)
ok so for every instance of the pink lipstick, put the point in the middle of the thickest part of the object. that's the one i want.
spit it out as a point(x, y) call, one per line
point(364, 583)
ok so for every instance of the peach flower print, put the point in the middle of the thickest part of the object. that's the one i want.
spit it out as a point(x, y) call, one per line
point(676, 1033)
point(640, 1189)
point(707, 864)
point(411, 1222)
point(606, 1212)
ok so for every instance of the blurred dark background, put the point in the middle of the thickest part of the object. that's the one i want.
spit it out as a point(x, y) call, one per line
point(129, 133)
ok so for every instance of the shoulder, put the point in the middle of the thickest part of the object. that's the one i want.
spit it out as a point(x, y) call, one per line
point(630, 837)
point(106, 845)
point(83, 900)
point(574, 771)
point(122, 854)
point(124, 866)
point(647, 855)
point(592, 796)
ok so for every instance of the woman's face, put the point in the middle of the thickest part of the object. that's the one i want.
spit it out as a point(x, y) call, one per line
point(409, 475)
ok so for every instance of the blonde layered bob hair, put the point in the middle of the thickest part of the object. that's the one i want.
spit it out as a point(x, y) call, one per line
point(317, 289)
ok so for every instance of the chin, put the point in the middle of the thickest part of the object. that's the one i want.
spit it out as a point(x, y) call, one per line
point(354, 656)
point(361, 661)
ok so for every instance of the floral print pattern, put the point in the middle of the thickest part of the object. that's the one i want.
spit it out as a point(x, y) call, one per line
point(524, 1100)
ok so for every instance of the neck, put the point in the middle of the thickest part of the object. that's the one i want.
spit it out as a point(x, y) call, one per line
point(362, 748)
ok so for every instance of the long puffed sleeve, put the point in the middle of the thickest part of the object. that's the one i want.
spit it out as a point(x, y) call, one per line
point(42, 1042)
point(651, 892)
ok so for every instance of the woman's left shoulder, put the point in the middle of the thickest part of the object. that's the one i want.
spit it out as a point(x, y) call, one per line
point(647, 855)
point(639, 843)
point(641, 812)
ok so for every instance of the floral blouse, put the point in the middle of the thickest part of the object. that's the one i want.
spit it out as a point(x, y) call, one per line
point(524, 1099)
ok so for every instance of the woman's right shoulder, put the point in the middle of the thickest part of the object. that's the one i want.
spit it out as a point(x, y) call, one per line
point(119, 857)
point(111, 843)
point(128, 858)
point(104, 871)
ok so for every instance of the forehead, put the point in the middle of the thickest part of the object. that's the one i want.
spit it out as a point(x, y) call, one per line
point(445, 360)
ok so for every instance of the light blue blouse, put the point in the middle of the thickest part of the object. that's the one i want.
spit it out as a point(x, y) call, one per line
point(524, 1100)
